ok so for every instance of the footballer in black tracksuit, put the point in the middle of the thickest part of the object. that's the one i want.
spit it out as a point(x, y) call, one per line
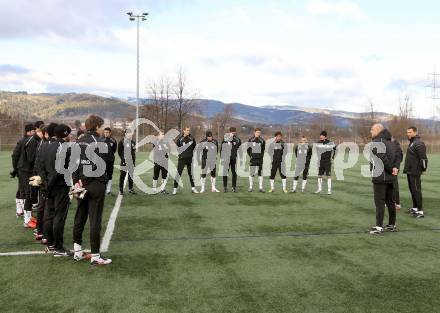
point(228, 153)
point(278, 151)
point(126, 146)
point(42, 192)
point(16, 156)
point(325, 150)
point(303, 154)
point(255, 150)
point(92, 205)
point(207, 151)
point(161, 149)
point(185, 146)
point(26, 166)
point(57, 191)
point(382, 164)
point(112, 146)
point(416, 163)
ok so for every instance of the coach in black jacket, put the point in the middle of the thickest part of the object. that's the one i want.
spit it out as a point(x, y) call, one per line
point(416, 163)
point(383, 164)
point(92, 205)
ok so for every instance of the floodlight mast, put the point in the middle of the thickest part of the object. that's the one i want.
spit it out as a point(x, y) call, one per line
point(136, 17)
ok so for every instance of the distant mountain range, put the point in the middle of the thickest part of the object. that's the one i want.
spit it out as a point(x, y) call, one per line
point(78, 106)
point(284, 114)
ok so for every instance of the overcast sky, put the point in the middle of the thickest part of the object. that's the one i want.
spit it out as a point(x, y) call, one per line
point(314, 53)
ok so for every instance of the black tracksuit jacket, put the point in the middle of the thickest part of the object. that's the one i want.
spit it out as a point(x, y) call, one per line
point(416, 161)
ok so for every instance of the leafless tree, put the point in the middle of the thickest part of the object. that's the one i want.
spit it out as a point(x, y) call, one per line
point(222, 119)
point(185, 100)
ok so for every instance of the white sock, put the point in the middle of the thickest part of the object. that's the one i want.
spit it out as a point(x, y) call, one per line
point(319, 184)
point(284, 181)
point(272, 184)
point(109, 186)
point(27, 216)
point(202, 183)
point(77, 248)
point(295, 183)
point(19, 209)
point(154, 184)
point(303, 186)
point(213, 183)
point(260, 181)
point(164, 184)
point(251, 182)
point(329, 184)
point(174, 190)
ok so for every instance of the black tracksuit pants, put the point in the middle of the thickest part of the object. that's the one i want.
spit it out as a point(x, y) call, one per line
point(42, 200)
point(277, 167)
point(383, 195)
point(305, 173)
point(396, 197)
point(28, 192)
point(109, 166)
point(121, 181)
point(415, 187)
point(92, 207)
point(55, 216)
point(157, 170)
point(181, 164)
point(233, 167)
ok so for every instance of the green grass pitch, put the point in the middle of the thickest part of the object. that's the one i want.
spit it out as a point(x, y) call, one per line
point(235, 253)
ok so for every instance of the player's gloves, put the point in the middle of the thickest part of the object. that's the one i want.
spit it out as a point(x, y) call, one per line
point(13, 173)
point(78, 193)
point(35, 181)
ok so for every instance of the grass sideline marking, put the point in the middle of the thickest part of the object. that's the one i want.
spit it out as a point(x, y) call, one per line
point(111, 224)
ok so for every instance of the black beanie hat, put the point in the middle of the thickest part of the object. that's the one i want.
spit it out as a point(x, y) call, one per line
point(62, 131)
point(209, 133)
point(323, 133)
point(38, 124)
point(29, 127)
point(51, 129)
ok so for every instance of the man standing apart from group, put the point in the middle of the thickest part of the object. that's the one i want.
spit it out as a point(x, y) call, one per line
point(416, 163)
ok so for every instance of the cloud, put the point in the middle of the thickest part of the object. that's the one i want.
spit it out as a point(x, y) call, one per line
point(66, 18)
point(6, 69)
point(343, 9)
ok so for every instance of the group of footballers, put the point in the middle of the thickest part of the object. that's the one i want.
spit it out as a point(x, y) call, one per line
point(41, 158)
